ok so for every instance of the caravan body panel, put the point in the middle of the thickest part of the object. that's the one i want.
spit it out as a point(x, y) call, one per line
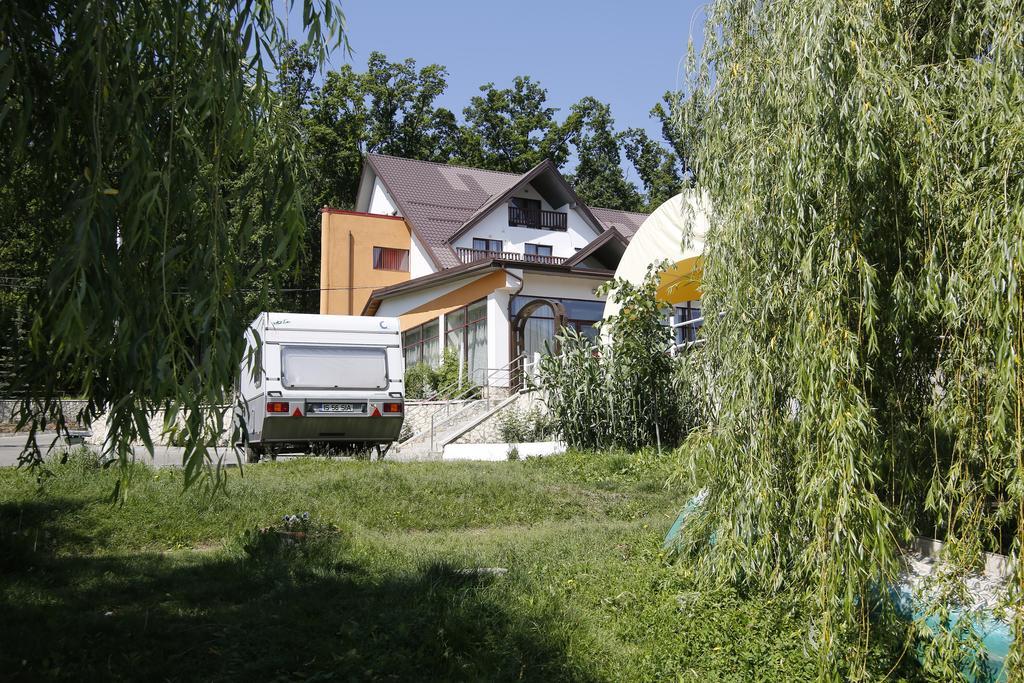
point(322, 379)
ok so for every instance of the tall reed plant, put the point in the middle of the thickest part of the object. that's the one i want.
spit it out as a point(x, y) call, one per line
point(620, 392)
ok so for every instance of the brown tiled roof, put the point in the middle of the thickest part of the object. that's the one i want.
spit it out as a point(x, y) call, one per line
point(439, 199)
point(436, 199)
point(626, 222)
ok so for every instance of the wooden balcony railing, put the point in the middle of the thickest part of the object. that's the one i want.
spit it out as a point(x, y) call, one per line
point(470, 255)
point(540, 219)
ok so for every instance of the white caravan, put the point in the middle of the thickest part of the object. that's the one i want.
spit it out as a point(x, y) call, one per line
point(309, 382)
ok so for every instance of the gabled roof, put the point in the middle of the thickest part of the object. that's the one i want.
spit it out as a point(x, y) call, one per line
point(437, 199)
point(440, 202)
point(549, 183)
point(610, 240)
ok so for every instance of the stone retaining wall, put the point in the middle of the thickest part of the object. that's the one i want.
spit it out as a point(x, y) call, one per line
point(9, 406)
point(489, 431)
point(417, 418)
point(156, 429)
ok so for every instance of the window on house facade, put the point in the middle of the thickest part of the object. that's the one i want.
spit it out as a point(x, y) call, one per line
point(466, 333)
point(538, 249)
point(540, 327)
point(689, 310)
point(494, 246)
point(422, 344)
point(389, 258)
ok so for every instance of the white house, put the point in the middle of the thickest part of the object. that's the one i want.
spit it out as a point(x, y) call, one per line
point(492, 264)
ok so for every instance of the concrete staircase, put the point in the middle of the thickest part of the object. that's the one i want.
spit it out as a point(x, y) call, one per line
point(445, 428)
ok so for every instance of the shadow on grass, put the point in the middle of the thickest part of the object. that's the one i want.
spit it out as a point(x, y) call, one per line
point(215, 618)
point(30, 529)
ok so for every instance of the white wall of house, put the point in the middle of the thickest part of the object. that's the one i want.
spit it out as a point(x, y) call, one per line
point(563, 244)
point(497, 330)
point(419, 261)
point(561, 286)
point(380, 201)
point(400, 305)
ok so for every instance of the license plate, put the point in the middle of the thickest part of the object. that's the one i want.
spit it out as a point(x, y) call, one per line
point(340, 408)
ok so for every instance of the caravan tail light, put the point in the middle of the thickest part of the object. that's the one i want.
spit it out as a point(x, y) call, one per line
point(277, 406)
point(392, 407)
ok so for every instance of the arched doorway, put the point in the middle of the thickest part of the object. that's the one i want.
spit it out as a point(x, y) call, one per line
point(526, 341)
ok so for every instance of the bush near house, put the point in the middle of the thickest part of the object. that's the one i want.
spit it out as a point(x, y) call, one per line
point(522, 426)
point(621, 393)
point(442, 382)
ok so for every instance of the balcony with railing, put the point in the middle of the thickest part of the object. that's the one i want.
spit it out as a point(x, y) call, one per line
point(469, 255)
point(537, 218)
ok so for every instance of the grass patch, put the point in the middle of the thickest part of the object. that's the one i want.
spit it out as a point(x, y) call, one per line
point(176, 586)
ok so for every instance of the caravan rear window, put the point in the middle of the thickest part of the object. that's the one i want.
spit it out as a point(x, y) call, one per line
point(333, 367)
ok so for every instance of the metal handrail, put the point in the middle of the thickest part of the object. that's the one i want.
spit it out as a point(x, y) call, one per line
point(508, 367)
point(470, 388)
point(693, 343)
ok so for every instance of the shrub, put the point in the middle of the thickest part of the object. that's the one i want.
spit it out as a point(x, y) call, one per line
point(419, 381)
point(622, 392)
point(446, 378)
point(442, 382)
point(518, 426)
point(295, 537)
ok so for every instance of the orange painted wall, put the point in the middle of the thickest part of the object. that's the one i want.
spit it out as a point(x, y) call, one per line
point(467, 294)
point(347, 276)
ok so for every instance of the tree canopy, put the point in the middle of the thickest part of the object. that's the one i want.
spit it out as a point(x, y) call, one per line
point(511, 129)
point(137, 137)
point(866, 256)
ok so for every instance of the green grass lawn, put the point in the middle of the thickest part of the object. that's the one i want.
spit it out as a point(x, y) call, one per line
point(173, 586)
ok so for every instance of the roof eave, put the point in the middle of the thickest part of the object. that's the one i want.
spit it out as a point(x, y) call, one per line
point(377, 296)
point(607, 236)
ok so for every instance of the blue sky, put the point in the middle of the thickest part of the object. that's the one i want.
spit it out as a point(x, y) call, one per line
point(624, 53)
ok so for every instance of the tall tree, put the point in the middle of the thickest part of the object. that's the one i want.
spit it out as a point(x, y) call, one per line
point(388, 109)
point(336, 129)
point(511, 129)
point(657, 167)
point(679, 131)
point(164, 118)
point(401, 118)
point(862, 293)
point(598, 177)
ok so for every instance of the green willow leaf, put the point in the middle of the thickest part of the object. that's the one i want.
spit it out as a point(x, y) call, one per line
point(867, 254)
point(145, 136)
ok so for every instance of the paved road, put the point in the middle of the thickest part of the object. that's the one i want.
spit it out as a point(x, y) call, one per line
point(163, 456)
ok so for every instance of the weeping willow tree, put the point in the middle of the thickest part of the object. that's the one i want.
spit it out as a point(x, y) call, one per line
point(865, 162)
point(147, 139)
